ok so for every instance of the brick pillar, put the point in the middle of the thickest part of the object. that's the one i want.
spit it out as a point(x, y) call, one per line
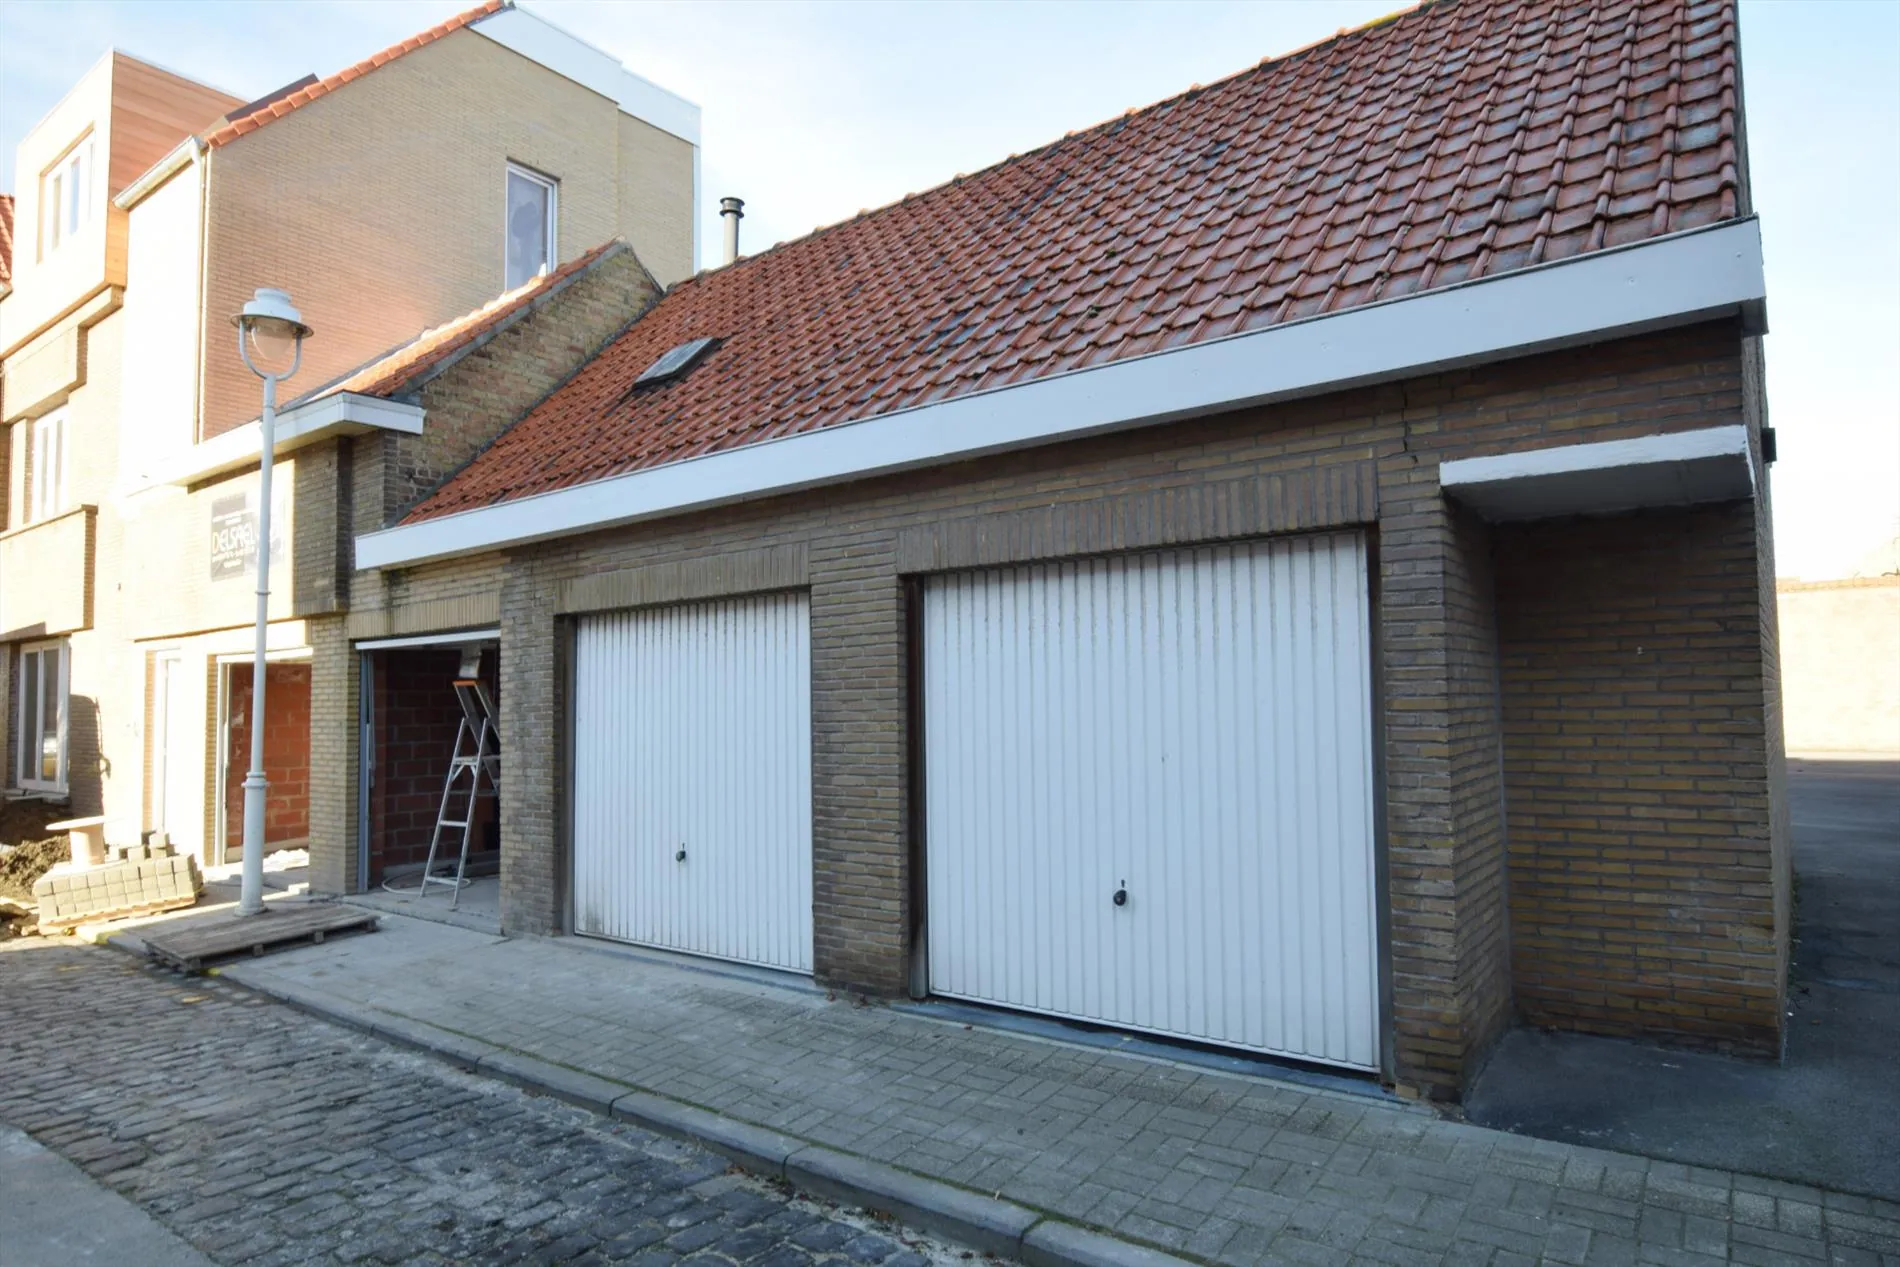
point(533, 723)
point(1444, 818)
point(860, 872)
point(333, 758)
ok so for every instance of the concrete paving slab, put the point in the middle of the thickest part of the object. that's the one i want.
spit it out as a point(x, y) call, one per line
point(944, 1124)
point(52, 1215)
point(985, 1223)
point(1054, 1244)
point(1830, 1115)
point(596, 1095)
point(761, 1151)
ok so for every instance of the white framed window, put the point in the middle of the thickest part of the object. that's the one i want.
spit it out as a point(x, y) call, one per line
point(46, 459)
point(41, 754)
point(530, 226)
point(66, 196)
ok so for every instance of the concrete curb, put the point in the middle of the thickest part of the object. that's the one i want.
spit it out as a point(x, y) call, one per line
point(983, 1223)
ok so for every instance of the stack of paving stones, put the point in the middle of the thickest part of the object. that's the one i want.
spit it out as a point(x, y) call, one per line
point(146, 879)
point(266, 1138)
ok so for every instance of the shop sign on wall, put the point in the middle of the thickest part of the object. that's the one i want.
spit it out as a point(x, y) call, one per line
point(234, 533)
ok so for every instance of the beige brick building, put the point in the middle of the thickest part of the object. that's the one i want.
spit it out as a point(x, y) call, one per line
point(1287, 570)
point(491, 156)
point(1239, 586)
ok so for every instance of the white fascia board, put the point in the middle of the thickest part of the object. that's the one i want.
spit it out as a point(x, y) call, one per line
point(539, 40)
point(1670, 281)
point(429, 640)
point(338, 414)
point(181, 156)
point(1602, 455)
point(1683, 468)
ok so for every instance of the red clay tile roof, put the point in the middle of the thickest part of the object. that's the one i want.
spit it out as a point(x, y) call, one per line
point(423, 356)
point(277, 108)
point(1459, 140)
point(6, 239)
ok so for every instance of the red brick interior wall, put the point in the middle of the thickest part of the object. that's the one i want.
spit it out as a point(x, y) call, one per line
point(1637, 796)
point(286, 754)
point(416, 717)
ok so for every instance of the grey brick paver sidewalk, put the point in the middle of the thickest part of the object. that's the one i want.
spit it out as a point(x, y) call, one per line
point(1231, 1169)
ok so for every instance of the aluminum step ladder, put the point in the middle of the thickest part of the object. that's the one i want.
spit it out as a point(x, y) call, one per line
point(478, 758)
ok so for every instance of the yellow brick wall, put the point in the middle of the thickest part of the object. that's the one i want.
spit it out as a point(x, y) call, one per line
point(379, 206)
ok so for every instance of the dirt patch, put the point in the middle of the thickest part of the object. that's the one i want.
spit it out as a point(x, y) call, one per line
point(23, 826)
point(21, 821)
point(21, 866)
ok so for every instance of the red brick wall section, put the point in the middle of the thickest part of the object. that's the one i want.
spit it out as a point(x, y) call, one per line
point(1636, 776)
point(416, 720)
point(286, 754)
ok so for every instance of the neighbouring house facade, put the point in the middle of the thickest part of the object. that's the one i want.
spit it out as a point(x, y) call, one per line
point(420, 206)
point(1287, 569)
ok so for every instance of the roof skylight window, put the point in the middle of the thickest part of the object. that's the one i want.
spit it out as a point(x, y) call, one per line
point(676, 362)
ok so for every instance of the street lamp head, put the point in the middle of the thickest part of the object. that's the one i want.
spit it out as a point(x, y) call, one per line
point(271, 334)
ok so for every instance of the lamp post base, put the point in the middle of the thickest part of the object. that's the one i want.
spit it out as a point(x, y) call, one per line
point(251, 887)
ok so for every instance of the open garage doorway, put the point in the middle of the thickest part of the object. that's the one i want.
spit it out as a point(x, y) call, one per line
point(424, 701)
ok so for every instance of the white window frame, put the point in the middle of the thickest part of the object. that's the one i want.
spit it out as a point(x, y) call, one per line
point(46, 491)
point(551, 250)
point(31, 738)
point(66, 196)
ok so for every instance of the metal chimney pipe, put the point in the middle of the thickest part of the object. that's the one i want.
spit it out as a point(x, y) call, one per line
point(732, 210)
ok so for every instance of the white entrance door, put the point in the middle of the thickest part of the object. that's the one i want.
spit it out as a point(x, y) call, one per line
point(1148, 794)
point(692, 778)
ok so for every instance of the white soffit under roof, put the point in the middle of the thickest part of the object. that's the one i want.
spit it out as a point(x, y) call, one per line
point(1676, 280)
point(1683, 468)
point(298, 426)
point(540, 40)
point(456, 639)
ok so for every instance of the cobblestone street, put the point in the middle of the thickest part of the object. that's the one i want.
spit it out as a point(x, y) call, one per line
point(263, 1136)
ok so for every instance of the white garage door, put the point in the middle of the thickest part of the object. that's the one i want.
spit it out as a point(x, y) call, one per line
point(692, 779)
point(1190, 730)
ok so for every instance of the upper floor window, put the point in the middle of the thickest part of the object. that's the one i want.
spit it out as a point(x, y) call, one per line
point(66, 196)
point(532, 208)
point(46, 463)
point(42, 719)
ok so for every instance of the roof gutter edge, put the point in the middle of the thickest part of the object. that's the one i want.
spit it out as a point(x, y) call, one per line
point(183, 154)
point(1679, 279)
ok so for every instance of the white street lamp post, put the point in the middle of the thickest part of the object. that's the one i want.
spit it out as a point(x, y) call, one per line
point(270, 331)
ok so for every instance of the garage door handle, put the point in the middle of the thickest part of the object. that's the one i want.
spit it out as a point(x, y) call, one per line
point(1121, 897)
point(681, 855)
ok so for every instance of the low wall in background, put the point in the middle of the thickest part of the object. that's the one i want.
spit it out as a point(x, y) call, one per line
point(1840, 665)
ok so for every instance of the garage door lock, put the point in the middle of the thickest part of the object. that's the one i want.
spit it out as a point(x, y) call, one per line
point(681, 855)
point(1121, 897)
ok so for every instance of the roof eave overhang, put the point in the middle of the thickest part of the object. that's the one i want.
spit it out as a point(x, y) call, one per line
point(1681, 279)
point(149, 181)
point(298, 427)
point(1681, 468)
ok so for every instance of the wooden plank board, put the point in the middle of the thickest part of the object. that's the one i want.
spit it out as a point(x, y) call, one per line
point(279, 926)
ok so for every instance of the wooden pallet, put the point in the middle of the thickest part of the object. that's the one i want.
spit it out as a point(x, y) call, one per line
point(189, 949)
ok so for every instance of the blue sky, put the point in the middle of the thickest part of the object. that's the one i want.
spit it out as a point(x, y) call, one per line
point(813, 111)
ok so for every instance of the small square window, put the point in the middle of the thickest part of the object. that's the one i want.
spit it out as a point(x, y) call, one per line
point(531, 213)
